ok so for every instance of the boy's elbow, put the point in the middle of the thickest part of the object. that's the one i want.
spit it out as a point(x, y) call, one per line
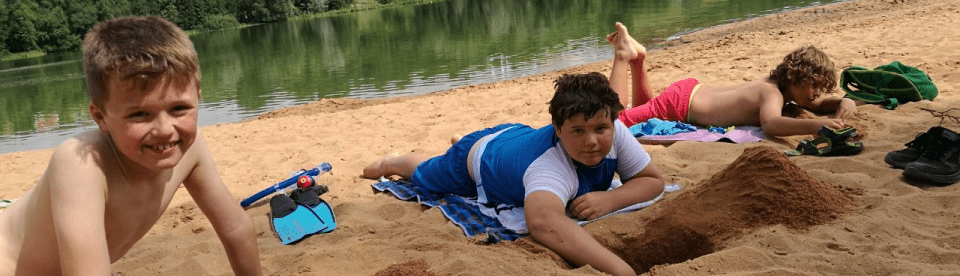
point(540, 224)
point(770, 128)
point(660, 185)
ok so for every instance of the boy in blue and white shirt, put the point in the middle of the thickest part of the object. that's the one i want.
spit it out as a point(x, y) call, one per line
point(564, 167)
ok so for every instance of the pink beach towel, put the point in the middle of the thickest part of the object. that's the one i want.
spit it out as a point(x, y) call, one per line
point(738, 135)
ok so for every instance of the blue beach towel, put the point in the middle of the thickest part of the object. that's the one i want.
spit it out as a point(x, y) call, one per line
point(499, 222)
point(655, 126)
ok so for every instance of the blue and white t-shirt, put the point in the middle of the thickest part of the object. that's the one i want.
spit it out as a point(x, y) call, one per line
point(520, 160)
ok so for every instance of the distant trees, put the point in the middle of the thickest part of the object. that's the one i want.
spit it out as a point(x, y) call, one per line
point(58, 25)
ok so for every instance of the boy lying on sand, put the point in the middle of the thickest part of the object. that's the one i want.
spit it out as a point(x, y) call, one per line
point(566, 166)
point(103, 190)
point(802, 77)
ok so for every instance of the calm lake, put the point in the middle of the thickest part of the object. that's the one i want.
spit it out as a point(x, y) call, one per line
point(407, 50)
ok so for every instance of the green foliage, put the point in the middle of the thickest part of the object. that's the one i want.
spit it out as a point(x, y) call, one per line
point(170, 12)
point(59, 25)
point(280, 9)
point(219, 21)
point(310, 6)
point(339, 4)
point(254, 11)
point(3, 31)
point(190, 14)
point(23, 30)
point(3, 51)
point(82, 15)
point(57, 38)
point(110, 9)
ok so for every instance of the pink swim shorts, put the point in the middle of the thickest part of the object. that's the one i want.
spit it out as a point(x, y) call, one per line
point(673, 104)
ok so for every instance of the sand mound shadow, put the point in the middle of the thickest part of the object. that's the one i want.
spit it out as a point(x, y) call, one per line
point(760, 188)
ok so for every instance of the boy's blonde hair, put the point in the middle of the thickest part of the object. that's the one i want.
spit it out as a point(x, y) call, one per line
point(143, 51)
point(806, 65)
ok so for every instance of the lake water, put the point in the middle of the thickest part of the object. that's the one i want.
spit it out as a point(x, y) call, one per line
point(407, 50)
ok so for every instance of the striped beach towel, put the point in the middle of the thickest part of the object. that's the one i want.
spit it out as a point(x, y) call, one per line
point(499, 222)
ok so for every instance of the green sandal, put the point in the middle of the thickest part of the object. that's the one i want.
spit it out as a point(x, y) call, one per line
point(835, 140)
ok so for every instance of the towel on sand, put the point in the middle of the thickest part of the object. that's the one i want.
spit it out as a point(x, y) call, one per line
point(656, 131)
point(498, 222)
point(655, 126)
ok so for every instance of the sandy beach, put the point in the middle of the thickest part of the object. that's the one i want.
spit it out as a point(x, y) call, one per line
point(744, 209)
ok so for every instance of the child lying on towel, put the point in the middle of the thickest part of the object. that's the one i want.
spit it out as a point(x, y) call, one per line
point(105, 188)
point(563, 167)
point(801, 78)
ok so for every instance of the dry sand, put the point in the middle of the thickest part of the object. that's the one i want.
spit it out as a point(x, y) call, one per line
point(744, 208)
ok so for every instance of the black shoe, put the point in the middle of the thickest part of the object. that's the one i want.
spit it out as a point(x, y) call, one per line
point(900, 158)
point(940, 163)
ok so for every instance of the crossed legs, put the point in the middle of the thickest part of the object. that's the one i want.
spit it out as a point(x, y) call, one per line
point(628, 55)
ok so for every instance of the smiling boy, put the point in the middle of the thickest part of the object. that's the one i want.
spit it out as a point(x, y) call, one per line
point(104, 189)
point(564, 167)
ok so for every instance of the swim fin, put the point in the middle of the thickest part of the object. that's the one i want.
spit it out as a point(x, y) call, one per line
point(291, 221)
point(310, 198)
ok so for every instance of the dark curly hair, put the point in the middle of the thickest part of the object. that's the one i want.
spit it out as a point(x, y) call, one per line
point(806, 66)
point(583, 94)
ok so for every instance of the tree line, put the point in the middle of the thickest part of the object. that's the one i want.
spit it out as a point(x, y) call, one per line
point(59, 25)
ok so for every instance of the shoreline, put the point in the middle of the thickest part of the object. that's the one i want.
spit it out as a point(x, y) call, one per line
point(898, 226)
point(31, 137)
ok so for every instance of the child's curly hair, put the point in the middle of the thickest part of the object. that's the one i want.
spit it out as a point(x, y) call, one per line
point(806, 66)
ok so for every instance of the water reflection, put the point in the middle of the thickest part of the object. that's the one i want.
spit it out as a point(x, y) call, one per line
point(402, 51)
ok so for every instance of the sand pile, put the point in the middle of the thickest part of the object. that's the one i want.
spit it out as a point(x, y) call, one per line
point(760, 188)
point(411, 268)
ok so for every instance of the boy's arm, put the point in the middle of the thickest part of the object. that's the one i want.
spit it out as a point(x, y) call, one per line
point(836, 107)
point(549, 225)
point(78, 201)
point(774, 123)
point(232, 224)
point(644, 186)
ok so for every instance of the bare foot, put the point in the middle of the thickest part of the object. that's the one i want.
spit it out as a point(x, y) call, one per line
point(378, 168)
point(455, 138)
point(625, 47)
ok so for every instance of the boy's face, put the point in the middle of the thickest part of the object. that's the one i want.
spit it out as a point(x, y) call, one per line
point(804, 94)
point(152, 128)
point(587, 141)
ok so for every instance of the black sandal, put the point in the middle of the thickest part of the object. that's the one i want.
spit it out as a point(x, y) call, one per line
point(835, 140)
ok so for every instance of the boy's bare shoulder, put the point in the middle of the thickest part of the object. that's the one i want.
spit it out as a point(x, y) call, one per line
point(88, 150)
point(766, 88)
point(90, 144)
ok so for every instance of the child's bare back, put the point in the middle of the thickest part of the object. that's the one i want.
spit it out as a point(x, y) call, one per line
point(730, 105)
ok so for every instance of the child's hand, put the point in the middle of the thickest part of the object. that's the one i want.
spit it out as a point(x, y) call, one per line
point(591, 205)
point(846, 109)
point(834, 123)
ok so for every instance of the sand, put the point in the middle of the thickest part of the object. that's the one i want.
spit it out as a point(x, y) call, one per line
point(744, 208)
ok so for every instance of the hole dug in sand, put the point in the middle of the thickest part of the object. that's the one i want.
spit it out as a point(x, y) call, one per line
point(760, 188)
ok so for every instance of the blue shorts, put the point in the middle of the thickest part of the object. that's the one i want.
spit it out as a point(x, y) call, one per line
point(447, 173)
